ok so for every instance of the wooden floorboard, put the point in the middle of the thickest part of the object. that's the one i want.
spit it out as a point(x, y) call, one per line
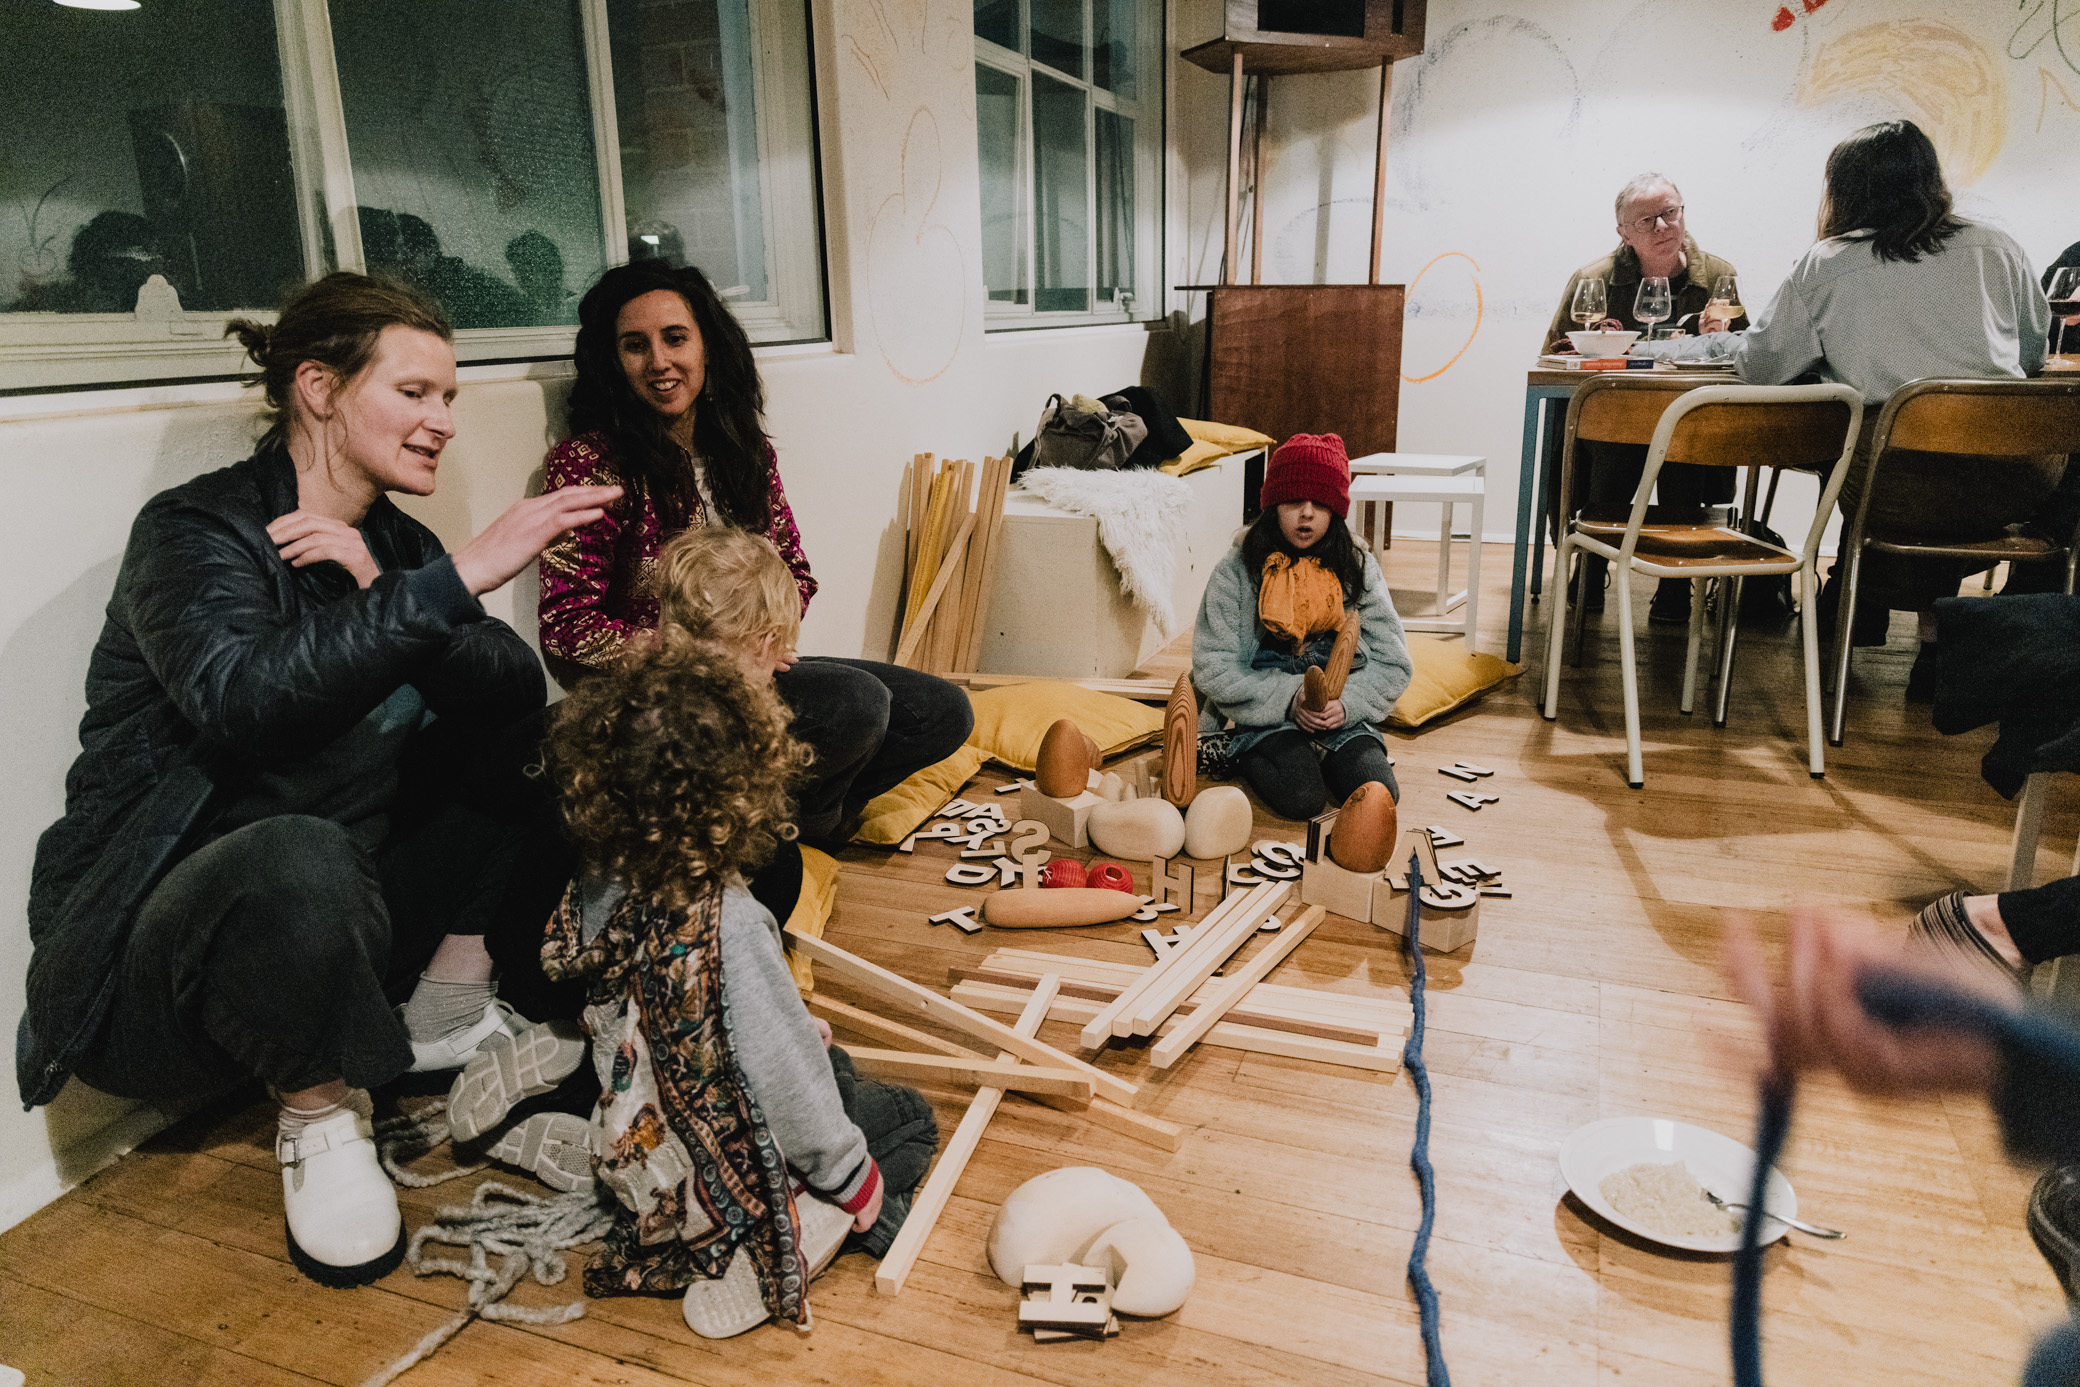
point(1593, 992)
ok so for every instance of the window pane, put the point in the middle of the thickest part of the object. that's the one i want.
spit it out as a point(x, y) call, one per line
point(1061, 215)
point(1115, 146)
point(1058, 35)
point(689, 115)
point(473, 157)
point(1003, 230)
point(997, 21)
point(144, 142)
point(1113, 49)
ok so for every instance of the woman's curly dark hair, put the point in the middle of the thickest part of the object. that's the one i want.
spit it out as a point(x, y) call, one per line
point(675, 770)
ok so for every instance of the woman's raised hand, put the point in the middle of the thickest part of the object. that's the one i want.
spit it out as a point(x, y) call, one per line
point(511, 542)
point(306, 538)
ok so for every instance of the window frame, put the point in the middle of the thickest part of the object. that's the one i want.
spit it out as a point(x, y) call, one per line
point(52, 352)
point(1149, 112)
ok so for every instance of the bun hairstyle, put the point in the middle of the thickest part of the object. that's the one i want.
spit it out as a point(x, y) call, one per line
point(728, 422)
point(335, 322)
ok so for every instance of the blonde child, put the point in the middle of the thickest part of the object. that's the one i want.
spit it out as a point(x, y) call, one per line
point(1272, 609)
point(731, 588)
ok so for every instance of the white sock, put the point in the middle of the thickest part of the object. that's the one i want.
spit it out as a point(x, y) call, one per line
point(292, 1120)
point(440, 1009)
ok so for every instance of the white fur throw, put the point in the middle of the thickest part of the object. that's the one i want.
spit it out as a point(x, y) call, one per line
point(1142, 520)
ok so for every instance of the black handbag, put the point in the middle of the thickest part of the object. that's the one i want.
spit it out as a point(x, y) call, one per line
point(1166, 437)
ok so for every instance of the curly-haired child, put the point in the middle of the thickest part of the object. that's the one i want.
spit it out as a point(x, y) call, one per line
point(674, 771)
point(1272, 609)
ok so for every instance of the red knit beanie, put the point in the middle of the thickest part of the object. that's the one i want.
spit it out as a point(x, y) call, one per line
point(1309, 467)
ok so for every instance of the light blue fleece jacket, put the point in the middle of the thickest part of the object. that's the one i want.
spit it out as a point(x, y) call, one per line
point(1227, 634)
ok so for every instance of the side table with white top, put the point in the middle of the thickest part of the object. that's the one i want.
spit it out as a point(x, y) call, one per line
point(1442, 479)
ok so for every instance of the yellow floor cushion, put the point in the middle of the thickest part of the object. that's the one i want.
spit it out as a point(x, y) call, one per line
point(812, 910)
point(1010, 721)
point(891, 817)
point(1212, 442)
point(1446, 677)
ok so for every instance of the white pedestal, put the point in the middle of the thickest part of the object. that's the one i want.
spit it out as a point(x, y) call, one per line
point(1065, 818)
point(1056, 608)
point(1338, 890)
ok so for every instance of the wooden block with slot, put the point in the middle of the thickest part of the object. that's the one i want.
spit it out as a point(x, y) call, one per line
point(1065, 818)
point(1451, 916)
point(1339, 890)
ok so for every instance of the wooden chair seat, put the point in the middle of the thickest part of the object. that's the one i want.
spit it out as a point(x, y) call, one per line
point(1678, 543)
point(2014, 545)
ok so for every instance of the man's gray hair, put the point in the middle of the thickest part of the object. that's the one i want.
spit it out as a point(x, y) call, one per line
point(1640, 184)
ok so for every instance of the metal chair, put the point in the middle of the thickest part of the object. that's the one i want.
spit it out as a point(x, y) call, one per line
point(1975, 418)
point(1807, 426)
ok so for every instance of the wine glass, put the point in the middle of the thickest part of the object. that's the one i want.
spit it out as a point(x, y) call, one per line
point(1653, 303)
point(2065, 299)
point(1589, 307)
point(1725, 301)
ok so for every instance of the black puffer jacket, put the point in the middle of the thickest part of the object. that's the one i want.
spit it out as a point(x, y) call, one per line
point(219, 659)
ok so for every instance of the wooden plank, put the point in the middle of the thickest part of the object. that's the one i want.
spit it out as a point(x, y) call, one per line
point(913, 638)
point(931, 1197)
point(881, 1028)
point(880, 981)
point(1384, 1056)
point(1209, 949)
point(1103, 1112)
point(997, 480)
point(1115, 1017)
point(1305, 1002)
point(1004, 1074)
point(1106, 991)
point(1233, 989)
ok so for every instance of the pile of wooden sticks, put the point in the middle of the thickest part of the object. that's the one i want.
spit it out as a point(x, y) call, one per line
point(950, 560)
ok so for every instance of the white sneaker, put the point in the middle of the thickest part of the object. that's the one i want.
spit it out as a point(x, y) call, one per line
point(454, 1050)
point(729, 1305)
point(554, 1147)
point(341, 1210)
point(821, 1227)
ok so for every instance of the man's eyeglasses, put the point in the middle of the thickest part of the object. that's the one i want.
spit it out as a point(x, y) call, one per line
point(1643, 225)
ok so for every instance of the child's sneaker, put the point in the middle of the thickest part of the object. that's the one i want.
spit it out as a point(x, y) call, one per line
point(507, 1068)
point(554, 1147)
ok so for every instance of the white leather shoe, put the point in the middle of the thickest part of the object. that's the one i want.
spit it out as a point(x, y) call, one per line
point(341, 1210)
point(455, 1050)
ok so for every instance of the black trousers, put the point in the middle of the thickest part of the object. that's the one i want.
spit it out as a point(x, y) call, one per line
point(1295, 784)
point(2044, 921)
point(873, 726)
point(278, 951)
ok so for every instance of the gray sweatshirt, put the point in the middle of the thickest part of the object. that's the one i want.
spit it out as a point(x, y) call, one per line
point(777, 1047)
point(1973, 310)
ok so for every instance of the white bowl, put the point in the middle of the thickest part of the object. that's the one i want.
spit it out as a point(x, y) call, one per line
point(1602, 344)
point(1720, 1164)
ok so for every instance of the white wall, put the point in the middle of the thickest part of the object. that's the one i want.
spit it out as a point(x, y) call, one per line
point(911, 371)
point(1516, 127)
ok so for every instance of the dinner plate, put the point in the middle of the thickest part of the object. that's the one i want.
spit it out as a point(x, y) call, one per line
point(1721, 1164)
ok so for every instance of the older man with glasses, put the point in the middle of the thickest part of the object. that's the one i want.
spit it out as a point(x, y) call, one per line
point(1653, 242)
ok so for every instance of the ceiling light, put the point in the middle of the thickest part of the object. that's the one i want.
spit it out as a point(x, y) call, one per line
point(99, 4)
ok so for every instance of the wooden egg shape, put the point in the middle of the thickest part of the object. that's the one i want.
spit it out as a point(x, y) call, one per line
point(1021, 909)
point(1108, 876)
point(1063, 768)
point(1181, 744)
point(1062, 872)
point(1365, 829)
point(1314, 689)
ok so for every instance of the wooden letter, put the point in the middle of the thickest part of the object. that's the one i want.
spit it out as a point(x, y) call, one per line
point(1171, 887)
point(962, 919)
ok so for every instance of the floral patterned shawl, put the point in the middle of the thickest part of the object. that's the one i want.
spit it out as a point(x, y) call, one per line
point(681, 1142)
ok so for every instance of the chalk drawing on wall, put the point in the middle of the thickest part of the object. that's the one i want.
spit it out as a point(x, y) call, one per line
point(1475, 278)
point(2048, 82)
point(1942, 77)
point(917, 277)
point(916, 271)
point(2056, 22)
point(1447, 70)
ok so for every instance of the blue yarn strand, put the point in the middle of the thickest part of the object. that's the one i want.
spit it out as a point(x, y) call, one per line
point(1419, 1154)
point(1745, 1319)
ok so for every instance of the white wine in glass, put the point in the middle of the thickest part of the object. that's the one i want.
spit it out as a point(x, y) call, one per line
point(1589, 307)
point(1652, 304)
point(1726, 299)
point(2065, 301)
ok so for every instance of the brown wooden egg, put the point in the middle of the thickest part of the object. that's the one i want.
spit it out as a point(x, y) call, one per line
point(1365, 829)
point(1063, 767)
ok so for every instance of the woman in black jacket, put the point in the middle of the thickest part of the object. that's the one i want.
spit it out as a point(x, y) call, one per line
point(281, 810)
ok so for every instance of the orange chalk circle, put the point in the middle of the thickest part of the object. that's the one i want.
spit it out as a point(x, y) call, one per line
point(1471, 334)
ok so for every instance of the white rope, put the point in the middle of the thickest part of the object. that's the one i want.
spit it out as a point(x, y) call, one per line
point(403, 1139)
point(527, 1232)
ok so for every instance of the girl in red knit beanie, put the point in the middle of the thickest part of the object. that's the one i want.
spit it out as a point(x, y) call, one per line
point(1299, 593)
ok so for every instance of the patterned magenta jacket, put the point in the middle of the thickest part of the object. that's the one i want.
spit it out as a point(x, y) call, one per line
point(599, 582)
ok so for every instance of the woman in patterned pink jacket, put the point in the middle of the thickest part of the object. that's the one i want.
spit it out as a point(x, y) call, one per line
point(669, 405)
